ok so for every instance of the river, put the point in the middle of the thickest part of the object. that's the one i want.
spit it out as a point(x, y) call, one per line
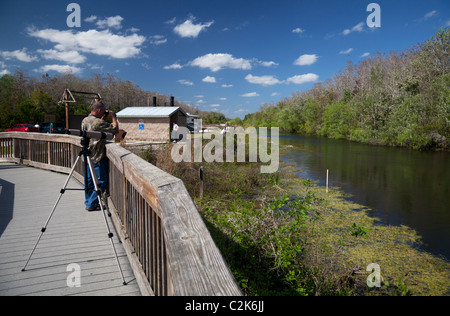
point(400, 186)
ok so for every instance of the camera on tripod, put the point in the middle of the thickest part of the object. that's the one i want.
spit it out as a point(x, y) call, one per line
point(90, 134)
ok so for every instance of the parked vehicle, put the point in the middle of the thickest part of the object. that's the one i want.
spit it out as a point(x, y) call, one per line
point(52, 128)
point(27, 128)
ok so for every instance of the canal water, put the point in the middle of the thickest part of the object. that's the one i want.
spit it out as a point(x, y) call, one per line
point(401, 186)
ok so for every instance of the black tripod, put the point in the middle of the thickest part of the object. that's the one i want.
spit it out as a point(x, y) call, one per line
point(102, 199)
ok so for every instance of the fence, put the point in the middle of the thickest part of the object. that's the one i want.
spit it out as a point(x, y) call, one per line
point(168, 243)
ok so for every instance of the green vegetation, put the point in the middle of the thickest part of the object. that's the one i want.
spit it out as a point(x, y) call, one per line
point(25, 99)
point(213, 118)
point(402, 99)
point(282, 235)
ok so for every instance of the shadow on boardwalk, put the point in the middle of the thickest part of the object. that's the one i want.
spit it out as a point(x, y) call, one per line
point(73, 236)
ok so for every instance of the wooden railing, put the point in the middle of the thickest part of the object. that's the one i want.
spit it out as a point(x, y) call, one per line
point(166, 239)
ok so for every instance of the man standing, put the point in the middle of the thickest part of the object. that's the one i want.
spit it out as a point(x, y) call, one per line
point(96, 122)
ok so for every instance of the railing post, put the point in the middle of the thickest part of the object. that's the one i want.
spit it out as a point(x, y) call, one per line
point(49, 147)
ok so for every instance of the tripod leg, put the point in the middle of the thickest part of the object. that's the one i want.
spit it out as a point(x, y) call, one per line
point(105, 200)
point(99, 196)
point(63, 190)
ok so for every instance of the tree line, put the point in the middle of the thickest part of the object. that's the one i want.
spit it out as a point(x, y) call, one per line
point(25, 99)
point(396, 99)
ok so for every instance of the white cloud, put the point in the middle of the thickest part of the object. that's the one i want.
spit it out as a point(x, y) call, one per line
point(250, 95)
point(227, 86)
point(298, 30)
point(20, 55)
point(306, 60)
point(157, 39)
point(146, 66)
point(268, 63)
point(274, 94)
point(344, 52)
point(357, 28)
point(103, 43)
point(263, 80)
point(216, 62)
point(171, 21)
point(114, 22)
point(300, 79)
point(60, 69)
point(3, 71)
point(91, 19)
point(173, 66)
point(365, 55)
point(215, 105)
point(72, 57)
point(430, 14)
point(189, 29)
point(209, 79)
point(223, 99)
point(186, 82)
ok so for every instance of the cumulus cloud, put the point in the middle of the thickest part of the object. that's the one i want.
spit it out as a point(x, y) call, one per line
point(60, 69)
point(189, 29)
point(103, 43)
point(72, 56)
point(173, 66)
point(209, 79)
point(20, 55)
point(298, 30)
point(263, 80)
point(216, 62)
point(268, 63)
point(114, 22)
point(300, 79)
point(110, 22)
point(306, 60)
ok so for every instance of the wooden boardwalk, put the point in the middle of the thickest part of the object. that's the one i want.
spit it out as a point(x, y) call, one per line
point(27, 196)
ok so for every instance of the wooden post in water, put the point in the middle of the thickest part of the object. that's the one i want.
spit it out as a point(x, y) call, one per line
point(201, 181)
point(327, 180)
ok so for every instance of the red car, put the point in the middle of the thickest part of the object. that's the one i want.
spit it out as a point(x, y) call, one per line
point(27, 128)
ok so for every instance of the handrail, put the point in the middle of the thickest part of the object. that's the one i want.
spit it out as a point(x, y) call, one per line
point(175, 250)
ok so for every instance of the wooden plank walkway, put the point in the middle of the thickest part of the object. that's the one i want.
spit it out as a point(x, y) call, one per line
point(27, 196)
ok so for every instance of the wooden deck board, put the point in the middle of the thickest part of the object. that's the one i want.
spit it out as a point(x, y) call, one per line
point(27, 196)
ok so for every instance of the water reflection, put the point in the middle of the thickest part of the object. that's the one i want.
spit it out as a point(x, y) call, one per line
point(402, 186)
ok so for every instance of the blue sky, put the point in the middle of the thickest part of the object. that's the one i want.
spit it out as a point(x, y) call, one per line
point(225, 56)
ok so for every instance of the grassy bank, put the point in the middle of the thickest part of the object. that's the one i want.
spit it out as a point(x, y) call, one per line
point(282, 235)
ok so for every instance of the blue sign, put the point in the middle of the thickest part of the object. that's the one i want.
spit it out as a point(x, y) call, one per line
point(141, 127)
